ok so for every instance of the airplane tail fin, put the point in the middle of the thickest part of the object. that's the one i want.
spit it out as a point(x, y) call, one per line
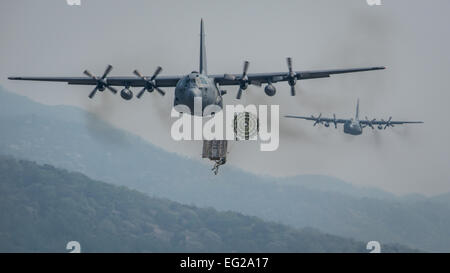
point(203, 69)
point(357, 110)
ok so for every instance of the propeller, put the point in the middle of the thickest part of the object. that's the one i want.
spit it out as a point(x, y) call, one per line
point(318, 119)
point(150, 83)
point(244, 82)
point(101, 82)
point(388, 123)
point(292, 76)
point(334, 121)
point(370, 122)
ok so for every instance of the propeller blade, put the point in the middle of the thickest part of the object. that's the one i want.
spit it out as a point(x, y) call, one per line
point(246, 65)
point(108, 69)
point(137, 73)
point(239, 94)
point(157, 71)
point(101, 82)
point(149, 83)
point(334, 121)
point(369, 123)
point(160, 91)
point(318, 121)
point(141, 92)
point(292, 90)
point(92, 94)
point(289, 63)
point(388, 123)
point(89, 74)
point(112, 89)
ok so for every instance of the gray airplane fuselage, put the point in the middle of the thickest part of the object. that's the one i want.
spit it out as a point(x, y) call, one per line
point(197, 85)
point(353, 127)
point(200, 86)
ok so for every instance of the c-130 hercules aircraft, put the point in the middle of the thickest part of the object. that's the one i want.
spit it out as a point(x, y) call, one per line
point(355, 126)
point(196, 84)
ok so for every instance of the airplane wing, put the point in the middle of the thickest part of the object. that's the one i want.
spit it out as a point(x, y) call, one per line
point(157, 81)
point(171, 81)
point(245, 79)
point(320, 119)
point(386, 123)
point(235, 79)
point(394, 122)
point(103, 82)
point(162, 81)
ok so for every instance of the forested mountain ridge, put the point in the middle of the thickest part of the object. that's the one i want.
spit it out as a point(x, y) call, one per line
point(43, 208)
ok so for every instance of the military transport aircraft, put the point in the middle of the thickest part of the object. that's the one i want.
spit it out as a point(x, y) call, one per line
point(196, 84)
point(355, 126)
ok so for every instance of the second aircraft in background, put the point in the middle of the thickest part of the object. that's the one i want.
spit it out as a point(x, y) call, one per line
point(355, 126)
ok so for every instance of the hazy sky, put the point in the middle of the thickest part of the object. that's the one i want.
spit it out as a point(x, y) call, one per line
point(411, 38)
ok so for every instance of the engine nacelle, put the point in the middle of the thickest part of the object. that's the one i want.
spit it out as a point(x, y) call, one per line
point(270, 90)
point(126, 94)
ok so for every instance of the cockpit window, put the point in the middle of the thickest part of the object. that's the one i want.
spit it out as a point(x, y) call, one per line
point(201, 82)
point(192, 80)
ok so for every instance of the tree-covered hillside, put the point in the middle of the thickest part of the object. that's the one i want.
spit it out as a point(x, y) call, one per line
point(42, 208)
